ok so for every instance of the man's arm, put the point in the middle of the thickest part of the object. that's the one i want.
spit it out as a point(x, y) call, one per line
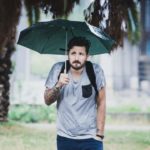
point(101, 112)
point(51, 95)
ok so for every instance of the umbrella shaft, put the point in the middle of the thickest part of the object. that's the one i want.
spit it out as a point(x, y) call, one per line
point(66, 51)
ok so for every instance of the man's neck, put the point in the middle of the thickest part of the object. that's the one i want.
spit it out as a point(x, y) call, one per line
point(76, 73)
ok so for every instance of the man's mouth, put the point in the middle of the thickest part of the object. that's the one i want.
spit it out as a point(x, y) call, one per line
point(76, 62)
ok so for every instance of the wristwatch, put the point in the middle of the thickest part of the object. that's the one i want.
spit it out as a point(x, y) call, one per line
point(101, 136)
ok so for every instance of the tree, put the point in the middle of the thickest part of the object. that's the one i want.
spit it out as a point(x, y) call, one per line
point(120, 17)
point(8, 22)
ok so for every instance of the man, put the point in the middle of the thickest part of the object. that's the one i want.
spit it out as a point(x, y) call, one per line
point(80, 111)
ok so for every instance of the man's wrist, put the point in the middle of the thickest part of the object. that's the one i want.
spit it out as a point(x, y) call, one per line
point(98, 131)
point(56, 88)
point(58, 85)
point(100, 136)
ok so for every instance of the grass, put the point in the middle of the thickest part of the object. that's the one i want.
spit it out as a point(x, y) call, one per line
point(127, 140)
point(18, 137)
point(15, 136)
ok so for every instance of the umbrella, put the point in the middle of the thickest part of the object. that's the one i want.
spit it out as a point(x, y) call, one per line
point(52, 37)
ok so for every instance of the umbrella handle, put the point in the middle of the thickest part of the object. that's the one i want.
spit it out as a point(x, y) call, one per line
point(65, 70)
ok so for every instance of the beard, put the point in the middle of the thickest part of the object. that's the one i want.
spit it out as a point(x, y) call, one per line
point(76, 65)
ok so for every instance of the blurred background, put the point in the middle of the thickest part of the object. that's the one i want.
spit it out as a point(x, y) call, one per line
point(23, 72)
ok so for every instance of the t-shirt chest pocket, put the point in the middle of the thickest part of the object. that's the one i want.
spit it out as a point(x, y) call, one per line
point(86, 90)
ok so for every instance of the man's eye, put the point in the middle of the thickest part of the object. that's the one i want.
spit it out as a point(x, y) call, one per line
point(81, 54)
point(73, 53)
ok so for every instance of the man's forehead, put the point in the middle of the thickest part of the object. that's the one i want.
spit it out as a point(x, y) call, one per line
point(78, 48)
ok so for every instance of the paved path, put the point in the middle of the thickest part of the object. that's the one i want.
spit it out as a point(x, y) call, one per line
point(45, 126)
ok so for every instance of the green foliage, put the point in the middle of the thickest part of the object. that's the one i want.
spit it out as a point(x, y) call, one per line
point(133, 25)
point(43, 113)
point(148, 109)
point(32, 113)
point(126, 108)
point(33, 11)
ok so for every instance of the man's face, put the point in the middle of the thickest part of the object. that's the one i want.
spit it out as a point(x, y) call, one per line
point(77, 57)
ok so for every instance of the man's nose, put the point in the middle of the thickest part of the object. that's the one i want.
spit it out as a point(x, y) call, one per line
point(77, 57)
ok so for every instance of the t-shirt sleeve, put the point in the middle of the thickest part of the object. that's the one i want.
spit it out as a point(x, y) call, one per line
point(53, 75)
point(100, 77)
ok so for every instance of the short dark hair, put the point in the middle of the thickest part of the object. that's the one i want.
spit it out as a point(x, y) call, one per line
point(79, 41)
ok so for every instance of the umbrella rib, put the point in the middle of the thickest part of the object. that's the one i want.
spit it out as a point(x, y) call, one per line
point(72, 32)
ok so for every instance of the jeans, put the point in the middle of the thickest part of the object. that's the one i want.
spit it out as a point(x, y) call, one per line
point(64, 143)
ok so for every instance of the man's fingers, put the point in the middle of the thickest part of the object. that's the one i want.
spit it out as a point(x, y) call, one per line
point(64, 79)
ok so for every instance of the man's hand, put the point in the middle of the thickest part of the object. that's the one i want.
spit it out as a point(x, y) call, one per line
point(63, 80)
point(98, 138)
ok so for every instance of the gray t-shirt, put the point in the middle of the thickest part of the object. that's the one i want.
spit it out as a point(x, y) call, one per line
point(76, 108)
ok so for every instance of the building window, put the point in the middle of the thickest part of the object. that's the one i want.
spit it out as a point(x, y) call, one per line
point(148, 47)
point(147, 18)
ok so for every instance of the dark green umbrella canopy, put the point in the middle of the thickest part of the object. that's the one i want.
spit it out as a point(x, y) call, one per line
point(52, 37)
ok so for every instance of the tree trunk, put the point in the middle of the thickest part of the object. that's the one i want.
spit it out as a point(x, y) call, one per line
point(10, 11)
point(5, 71)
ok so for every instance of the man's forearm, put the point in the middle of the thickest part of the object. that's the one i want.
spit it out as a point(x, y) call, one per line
point(101, 114)
point(51, 95)
point(101, 111)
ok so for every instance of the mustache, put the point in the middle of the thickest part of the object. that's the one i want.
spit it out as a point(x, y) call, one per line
point(76, 61)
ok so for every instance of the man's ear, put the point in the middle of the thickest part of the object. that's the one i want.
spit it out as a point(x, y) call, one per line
point(88, 57)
